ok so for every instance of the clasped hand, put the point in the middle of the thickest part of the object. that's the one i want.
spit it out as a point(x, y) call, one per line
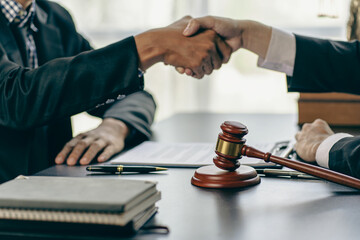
point(201, 53)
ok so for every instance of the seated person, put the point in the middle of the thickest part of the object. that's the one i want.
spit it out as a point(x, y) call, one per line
point(311, 65)
point(49, 72)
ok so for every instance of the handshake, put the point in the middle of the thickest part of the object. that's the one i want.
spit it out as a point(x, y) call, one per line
point(197, 46)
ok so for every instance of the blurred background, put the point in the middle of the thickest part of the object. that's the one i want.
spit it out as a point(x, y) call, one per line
point(239, 86)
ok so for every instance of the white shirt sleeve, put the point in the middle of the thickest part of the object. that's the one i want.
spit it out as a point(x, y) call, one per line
point(281, 53)
point(322, 153)
point(280, 57)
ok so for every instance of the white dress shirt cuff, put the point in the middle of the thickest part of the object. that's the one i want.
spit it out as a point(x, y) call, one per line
point(322, 153)
point(281, 52)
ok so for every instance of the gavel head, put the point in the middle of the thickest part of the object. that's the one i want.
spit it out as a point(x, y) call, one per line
point(229, 145)
point(227, 173)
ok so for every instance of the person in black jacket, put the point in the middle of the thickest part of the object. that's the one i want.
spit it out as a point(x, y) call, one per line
point(311, 65)
point(49, 72)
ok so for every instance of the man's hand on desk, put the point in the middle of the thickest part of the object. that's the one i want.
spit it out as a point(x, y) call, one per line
point(310, 137)
point(108, 139)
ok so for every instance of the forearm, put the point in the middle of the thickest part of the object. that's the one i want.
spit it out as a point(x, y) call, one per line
point(156, 45)
point(148, 50)
point(35, 97)
point(255, 36)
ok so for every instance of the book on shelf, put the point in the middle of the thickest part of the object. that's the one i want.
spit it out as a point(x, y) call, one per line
point(69, 206)
point(338, 109)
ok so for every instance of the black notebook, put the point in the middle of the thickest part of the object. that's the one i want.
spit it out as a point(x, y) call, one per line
point(67, 205)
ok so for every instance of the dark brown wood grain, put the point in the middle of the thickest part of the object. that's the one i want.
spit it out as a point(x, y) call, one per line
point(304, 167)
point(235, 131)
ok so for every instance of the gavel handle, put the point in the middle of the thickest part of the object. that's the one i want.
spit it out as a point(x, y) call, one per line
point(303, 167)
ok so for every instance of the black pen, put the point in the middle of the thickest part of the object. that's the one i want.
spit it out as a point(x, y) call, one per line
point(122, 168)
point(284, 173)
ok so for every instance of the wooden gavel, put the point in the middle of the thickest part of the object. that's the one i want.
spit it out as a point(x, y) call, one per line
point(231, 146)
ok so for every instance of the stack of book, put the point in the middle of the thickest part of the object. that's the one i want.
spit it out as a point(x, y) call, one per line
point(338, 109)
point(67, 207)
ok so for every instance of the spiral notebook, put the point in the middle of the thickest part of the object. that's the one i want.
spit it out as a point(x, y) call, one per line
point(75, 206)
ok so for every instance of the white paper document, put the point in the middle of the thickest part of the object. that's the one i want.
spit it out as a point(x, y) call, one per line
point(180, 155)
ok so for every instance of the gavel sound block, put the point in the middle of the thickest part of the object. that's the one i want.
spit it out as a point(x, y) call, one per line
point(229, 174)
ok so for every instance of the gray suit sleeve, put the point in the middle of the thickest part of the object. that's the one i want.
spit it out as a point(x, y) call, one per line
point(137, 110)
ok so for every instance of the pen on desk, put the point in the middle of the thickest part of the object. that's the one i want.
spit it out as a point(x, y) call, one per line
point(122, 168)
point(284, 173)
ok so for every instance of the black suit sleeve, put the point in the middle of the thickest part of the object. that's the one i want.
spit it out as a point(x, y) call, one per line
point(137, 110)
point(66, 86)
point(325, 66)
point(344, 156)
point(330, 66)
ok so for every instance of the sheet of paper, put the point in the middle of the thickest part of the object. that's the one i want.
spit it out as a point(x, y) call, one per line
point(178, 155)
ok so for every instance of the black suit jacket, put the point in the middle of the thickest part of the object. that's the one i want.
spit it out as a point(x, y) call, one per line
point(330, 66)
point(35, 105)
